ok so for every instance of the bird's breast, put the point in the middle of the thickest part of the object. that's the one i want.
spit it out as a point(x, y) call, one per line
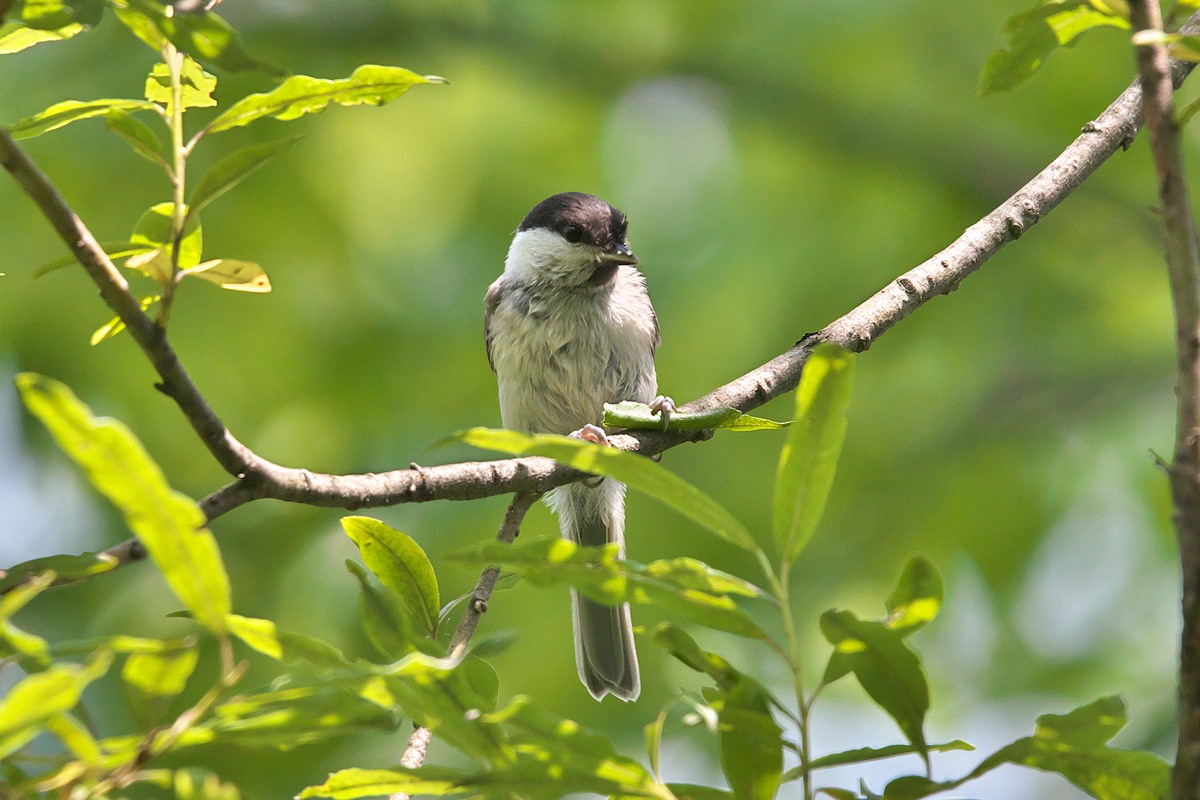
point(559, 360)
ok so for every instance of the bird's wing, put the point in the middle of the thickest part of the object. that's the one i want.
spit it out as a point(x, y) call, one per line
point(495, 294)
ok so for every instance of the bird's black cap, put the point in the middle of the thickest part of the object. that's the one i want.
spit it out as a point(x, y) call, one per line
point(579, 217)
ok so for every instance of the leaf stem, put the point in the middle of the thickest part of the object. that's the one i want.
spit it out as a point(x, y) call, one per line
point(179, 153)
point(779, 585)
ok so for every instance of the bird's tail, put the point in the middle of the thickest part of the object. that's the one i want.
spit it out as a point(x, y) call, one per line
point(604, 652)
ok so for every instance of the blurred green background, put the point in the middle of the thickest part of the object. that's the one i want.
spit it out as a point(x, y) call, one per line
point(779, 162)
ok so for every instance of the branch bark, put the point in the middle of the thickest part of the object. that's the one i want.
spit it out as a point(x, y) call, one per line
point(477, 605)
point(1183, 264)
point(257, 478)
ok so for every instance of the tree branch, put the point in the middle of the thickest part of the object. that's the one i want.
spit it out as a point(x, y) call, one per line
point(477, 605)
point(257, 478)
point(1183, 264)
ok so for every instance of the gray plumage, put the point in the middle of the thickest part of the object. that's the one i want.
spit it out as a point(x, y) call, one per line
point(569, 327)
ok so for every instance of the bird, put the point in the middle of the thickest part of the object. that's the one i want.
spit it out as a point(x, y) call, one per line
point(569, 327)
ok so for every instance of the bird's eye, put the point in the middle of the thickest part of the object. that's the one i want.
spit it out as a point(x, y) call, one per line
point(573, 234)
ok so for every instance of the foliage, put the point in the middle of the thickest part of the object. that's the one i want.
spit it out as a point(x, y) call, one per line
point(318, 692)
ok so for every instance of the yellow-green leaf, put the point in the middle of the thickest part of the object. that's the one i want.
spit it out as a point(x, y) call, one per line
point(196, 86)
point(233, 169)
point(637, 471)
point(115, 325)
point(300, 95)
point(114, 250)
point(201, 34)
point(400, 564)
point(76, 738)
point(15, 37)
point(628, 414)
point(1035, 34)
point(137, 134)
point(265, 637)
point(38, 698)
point(353, 783)
point(228, 273)
point(155, 231)
point(809, 459)
point(751, 742)
point(169, 524)
point(682, 586)
point(68, 111)
point(162, 674)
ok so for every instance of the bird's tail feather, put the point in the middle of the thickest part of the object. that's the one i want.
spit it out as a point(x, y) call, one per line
point(604, 648)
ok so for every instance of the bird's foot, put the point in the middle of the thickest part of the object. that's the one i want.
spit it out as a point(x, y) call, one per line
point(591, 433)
point(664, 406)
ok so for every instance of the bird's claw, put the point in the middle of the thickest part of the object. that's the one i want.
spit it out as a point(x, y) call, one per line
point(665, 406)
point(591, 433)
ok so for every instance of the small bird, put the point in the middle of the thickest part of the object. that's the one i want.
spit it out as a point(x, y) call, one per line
point(569, 327)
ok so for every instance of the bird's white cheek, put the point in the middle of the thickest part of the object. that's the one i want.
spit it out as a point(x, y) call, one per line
point(539, 254)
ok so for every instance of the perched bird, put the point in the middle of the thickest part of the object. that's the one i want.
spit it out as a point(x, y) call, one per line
point(569, 327)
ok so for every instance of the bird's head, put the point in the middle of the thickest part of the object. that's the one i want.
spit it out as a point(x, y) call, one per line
point(570, 239)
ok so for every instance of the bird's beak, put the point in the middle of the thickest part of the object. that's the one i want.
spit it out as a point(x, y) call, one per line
point(620, 254)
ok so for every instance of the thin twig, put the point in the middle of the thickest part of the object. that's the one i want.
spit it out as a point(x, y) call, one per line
point(1183, 264)
point(257, 478)
point(478, 604)
point(418, 742)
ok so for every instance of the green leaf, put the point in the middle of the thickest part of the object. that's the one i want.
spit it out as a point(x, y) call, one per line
point(347, 784)
point(1072, 745)
point(917, 598)
point(389, 627)
point(155, 232)
point(160, 674)
point(201, 34)
point(300, 95)
point(38, 698)
point(864, 754)
point(683, 585)
point(681, 645)
point(483, 680)
point(914, 602)
point(751, 742)
point(68, 111)
point(888, 671)
point(196, 86)
point(116, 325)
point(628, 414)
point(809, 459)
point(233, 169)
point(123, 644)
point(1185, 48)
point(114, 250)
point(688, 791)
point(65, 567)
point(54, 14)
point(200, 784)
point(400, 564)
point(34, 650)
point(239, 276)
point(1033, 35)
point(265, 637)
point(169, 524)
point(31, 22)
point(434, 693)
point(137, 134)
point(76, 738)
point(637, 471)
point(553, 751)
point(292, 721)
point(15, 37)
